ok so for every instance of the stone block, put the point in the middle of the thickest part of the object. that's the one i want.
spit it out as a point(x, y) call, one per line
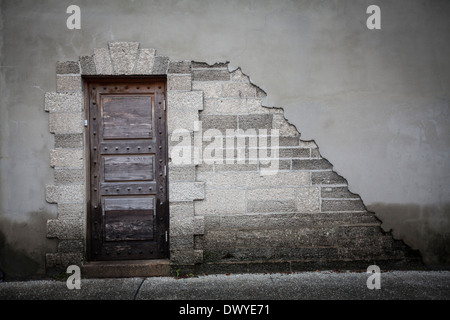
point(179, 82)
point(198, 256)
point(182, 257)
point(308, 199)
point(63, 102)
point(230, 106)
point(327, 177)
point(87, 65)
point(69, 158)
point(211, 75)
point(67, 229)
point(204, 65)
point(123, 56)
point(314, 164)
point(218, 122)
point(247, 222)
point(68, 83)
point(181, 225)
point(218, 179)
point(286, 179)
point(145, 61)
point(274, 165)
point(291, 142)
point(71, 246)
point(71, 210)
point(254, 106)
point(271, 206)
point(67, 67)
point(342, 205)
point(63, 260)
point(284, 127)
point(308, 144)
point(238, 76)
point(255, 121)
point(181, 120)
point(222, 201)
point(294, 153)
point(65, 193)
point(199, 225)
point(237, 89)
point(253, 239)
point(212, 223)
point(271, 194)
point(185, 101)
point(288, 220)
point(64, 122)
point(337, 192)
point(182, 242)
point(260, 93)
point(102, 60)
point(71, 140)
point(210, 89)
point(182, 67)
point(160, 65)
point(186, 191)
point(69, 176)
point(219, 239)
point(182, 173)
point(315, 154)
point(236, 167)
point(185, 209)
point(346, 232)
point(316, 237)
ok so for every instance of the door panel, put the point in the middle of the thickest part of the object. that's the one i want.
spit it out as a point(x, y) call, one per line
point(127, 117)
point(123, 168)
point(128, 210)
point(128, 218)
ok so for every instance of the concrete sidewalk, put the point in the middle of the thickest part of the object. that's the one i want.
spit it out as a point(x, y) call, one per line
point(427, 285)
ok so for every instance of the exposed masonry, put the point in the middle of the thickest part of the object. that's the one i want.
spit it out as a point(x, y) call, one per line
point(223, 216)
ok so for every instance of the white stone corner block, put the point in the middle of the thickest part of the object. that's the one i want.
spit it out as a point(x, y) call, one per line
point(65, 194)
point(102, 60)
point(68, 158)
point(123, 56)
point(63, 102)
point(145, 61)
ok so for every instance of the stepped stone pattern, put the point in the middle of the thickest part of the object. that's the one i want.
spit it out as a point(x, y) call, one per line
point(246, 193)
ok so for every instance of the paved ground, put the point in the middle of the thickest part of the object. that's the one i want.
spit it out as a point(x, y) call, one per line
point(395, 285)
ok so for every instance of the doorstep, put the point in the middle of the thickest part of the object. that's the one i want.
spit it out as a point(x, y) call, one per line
point(126, 269)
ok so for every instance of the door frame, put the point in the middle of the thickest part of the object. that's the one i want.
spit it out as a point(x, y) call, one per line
point(87, 143)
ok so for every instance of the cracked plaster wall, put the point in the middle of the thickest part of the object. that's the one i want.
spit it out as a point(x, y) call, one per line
point(376, 102)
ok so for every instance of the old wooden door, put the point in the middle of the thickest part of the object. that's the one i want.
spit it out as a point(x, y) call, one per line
point(128, 210)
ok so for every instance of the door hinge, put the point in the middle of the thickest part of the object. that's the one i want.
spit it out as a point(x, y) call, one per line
point(167, 236)
point(165, 171)
point(85, 123)
point(164, 105)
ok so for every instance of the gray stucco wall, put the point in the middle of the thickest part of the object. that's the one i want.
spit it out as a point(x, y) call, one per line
point(375, 101)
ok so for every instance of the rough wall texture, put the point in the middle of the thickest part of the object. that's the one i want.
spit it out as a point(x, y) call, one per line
point(252, 197)
point(376, 101)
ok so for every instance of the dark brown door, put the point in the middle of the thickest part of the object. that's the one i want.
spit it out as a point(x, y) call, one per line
point(128, 211)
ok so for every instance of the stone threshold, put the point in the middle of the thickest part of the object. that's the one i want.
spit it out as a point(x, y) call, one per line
point(126, 268)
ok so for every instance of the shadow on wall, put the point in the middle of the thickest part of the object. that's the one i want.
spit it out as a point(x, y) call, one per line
point(22, 251)
point(423, 228)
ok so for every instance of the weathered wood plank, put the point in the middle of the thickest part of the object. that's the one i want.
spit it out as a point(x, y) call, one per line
point(127, 117)
point(127, 168)
point(128, 225)
point(128, 203)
